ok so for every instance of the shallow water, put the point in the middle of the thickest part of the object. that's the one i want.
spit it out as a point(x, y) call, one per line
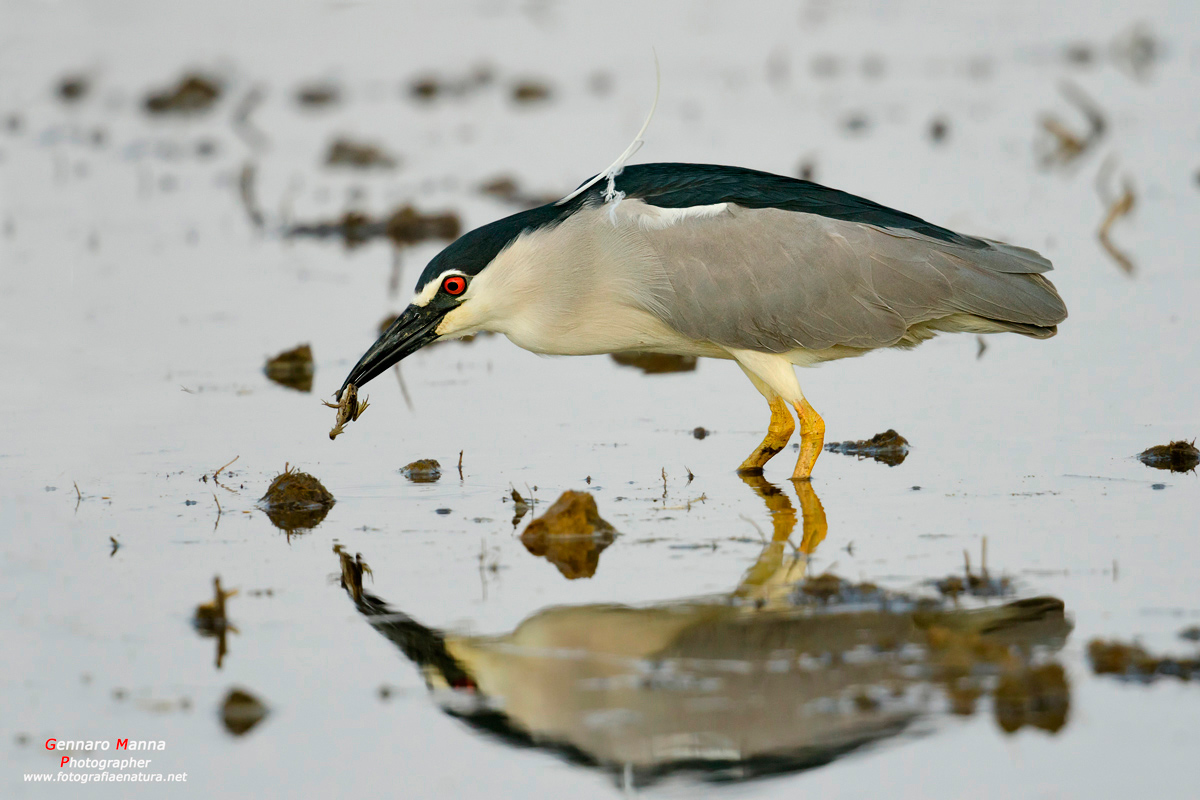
point(138, 304)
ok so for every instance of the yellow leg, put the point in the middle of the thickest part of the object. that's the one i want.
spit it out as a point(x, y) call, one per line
point(778, 433)
point(812, 439)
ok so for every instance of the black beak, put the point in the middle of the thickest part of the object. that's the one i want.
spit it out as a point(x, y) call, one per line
point(414, 329)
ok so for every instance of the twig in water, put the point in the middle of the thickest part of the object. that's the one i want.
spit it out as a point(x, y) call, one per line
point(252, 136)
point(223, 466)
point(1068, 146)
point(249, 202)
point(1117, 208)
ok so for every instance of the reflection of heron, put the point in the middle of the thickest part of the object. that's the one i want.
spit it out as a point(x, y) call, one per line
point(772, 677)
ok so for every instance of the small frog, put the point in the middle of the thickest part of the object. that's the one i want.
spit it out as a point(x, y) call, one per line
point(349, 409)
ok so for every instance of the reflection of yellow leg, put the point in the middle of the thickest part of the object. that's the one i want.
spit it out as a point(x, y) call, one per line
point(778, 433)
point(773, 572)
point(812, 439)
point(815, 525)
point(783, 514)
point(771, 579)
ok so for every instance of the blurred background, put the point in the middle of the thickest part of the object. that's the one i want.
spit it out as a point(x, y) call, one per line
point(208, 209)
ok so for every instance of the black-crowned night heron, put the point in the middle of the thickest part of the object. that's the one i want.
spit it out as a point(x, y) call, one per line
point(724, 262)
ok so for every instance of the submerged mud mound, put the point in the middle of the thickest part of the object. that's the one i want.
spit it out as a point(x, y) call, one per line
point(1134, 662)
point(241, 711)
point(888, 448)
point(192, 95)
point(425, 470)
point(1179, 456)
point(292, 368)
point(570, 535)
point(296, 501)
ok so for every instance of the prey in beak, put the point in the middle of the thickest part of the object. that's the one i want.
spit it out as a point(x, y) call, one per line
point(412, 330)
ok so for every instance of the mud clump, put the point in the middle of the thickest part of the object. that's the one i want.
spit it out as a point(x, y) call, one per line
point(530, 91)
point(344, 152)
point(73, 88)
point(979, 584)
point(507, 189)
point(192, 95)
point(404, 226)
point(426, 470)
point(210, 619)
point(241, 711)
point(655, 363)
point(888, 448)
point(296, 501)
point(428, 88)
point(1177, 456)
point(292, 368)
point(318, 95)
point(570, 535)
point(1132, 661)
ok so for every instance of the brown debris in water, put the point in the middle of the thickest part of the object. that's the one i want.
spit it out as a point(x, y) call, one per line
point(318, 95)
point(73, 88)
point(520, 508)
point(1118, 207)
point(976, 585)
point(427, 88)
point(349, 409)
point(1178, 456)
point(241, 711)
point(193, 94)
point(426, 470)
point(1064, 146)
point(823, 587)
point(292, 368)
point(296, 501)
point(530, 91)
point(655, 363)
point(210, 619)
point(345, 152)
point(404, 226)
point(1132, 661)
point(506, 188)
point(888, 448)
point(570, 535)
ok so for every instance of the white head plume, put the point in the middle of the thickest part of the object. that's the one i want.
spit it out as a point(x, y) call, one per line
point(610, 174)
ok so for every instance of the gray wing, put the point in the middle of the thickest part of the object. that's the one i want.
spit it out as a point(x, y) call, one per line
point(773, 280)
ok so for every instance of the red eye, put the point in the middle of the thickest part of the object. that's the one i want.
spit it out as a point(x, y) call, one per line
point(454, 285)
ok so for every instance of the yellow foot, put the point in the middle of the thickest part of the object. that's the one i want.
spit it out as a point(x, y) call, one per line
point(812, 439)
point(778, 433)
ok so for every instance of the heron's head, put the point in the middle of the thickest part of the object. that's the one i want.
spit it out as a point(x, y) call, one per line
point(456, 294)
